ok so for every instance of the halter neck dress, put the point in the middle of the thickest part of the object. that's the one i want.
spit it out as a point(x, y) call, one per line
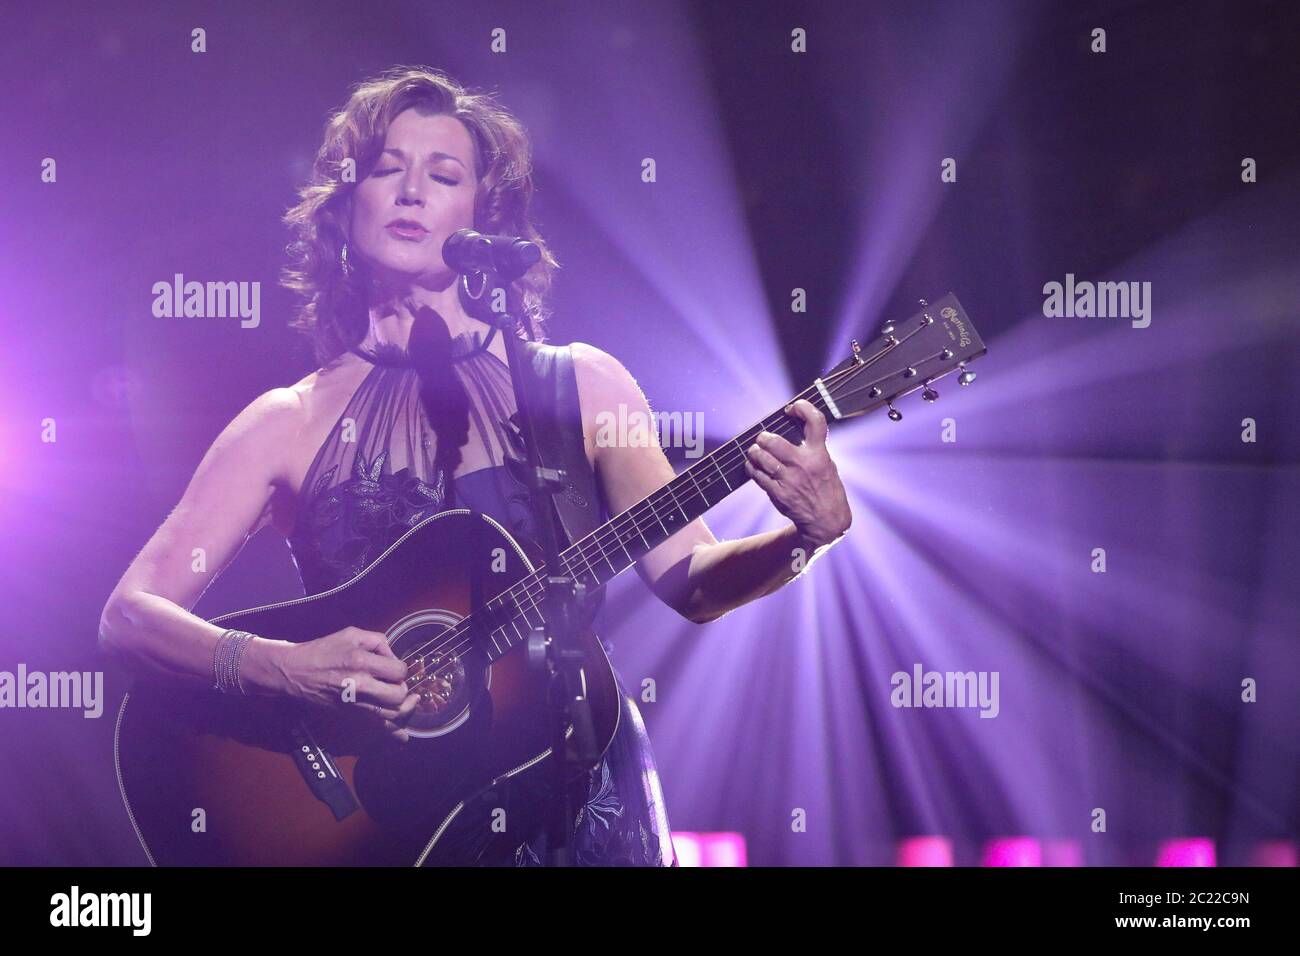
point(374, 479)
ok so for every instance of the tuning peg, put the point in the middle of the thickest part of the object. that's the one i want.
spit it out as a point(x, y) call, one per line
point(929, 394)
point(966, 377)
point(894, 413)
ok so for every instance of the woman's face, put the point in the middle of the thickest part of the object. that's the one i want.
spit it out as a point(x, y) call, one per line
point(420, 192)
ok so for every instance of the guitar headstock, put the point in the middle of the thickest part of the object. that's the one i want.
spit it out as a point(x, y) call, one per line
point(936, 341)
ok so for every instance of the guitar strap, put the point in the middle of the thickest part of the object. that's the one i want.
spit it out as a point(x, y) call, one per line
point(558, 423)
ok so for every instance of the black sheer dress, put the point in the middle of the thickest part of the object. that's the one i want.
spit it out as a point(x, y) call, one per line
point(373, 479)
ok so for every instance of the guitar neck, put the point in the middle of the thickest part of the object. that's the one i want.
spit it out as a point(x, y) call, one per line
point(624, 539)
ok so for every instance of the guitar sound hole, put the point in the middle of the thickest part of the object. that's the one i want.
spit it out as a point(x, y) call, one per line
point(436, 671)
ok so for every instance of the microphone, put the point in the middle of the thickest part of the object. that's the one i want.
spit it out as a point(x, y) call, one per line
point(467, 251)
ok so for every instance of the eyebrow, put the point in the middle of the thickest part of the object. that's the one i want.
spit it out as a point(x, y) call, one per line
point(401, 154)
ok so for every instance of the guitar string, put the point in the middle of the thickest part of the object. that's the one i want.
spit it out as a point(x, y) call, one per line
point(592, 543)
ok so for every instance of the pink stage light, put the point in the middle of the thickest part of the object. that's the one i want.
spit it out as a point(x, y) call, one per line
point(1274, 853)
point(1062, 853)
point(925, 851)
point(710, 849)
point(1012, 851)
point(1190, 851)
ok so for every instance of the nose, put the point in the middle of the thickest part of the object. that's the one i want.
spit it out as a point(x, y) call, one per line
point(410, 193)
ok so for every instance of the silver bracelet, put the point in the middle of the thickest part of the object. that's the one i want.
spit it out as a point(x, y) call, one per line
point(226, 657)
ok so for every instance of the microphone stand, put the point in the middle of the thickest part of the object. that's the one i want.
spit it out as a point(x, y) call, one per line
point(555, 648)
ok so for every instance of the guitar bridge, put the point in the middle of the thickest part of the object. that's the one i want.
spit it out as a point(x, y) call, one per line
point(322, 776)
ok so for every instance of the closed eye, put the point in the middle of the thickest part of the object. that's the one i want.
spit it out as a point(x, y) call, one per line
point(441, 179)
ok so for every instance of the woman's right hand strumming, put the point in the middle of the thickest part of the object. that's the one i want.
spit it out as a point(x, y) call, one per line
point(350, 668)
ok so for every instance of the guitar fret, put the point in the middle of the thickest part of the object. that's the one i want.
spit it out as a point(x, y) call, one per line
point(587, 562)
point(577, 572)
point(523, 609)
point(698, 491)
point(527, 604)
point(714, 458)
point(669, 488)
point(650, 504)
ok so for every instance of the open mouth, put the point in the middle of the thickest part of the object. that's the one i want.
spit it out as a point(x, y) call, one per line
point(412, 232)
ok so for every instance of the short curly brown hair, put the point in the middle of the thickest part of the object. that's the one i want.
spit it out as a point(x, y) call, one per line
point(334, 309)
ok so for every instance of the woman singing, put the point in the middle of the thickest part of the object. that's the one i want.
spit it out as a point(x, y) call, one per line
point(408, 416)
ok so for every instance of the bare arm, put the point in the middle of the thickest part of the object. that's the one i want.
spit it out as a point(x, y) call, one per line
point(146, 621)
point(692, 572)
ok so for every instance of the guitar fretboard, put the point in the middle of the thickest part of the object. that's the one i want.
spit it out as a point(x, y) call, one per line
point(624, 539)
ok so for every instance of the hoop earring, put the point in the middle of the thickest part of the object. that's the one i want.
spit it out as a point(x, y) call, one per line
point(464, 283)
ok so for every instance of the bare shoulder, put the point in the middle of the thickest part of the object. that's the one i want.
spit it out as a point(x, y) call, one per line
point(266, 418)
point(604, 386)
point(320, 391)
point(602, 379)
point(277, 420)
point(261, 429)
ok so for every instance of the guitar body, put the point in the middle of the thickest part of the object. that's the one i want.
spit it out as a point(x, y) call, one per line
point(211, 779)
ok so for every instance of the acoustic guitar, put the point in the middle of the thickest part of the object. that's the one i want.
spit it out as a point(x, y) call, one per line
point(211, 779)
